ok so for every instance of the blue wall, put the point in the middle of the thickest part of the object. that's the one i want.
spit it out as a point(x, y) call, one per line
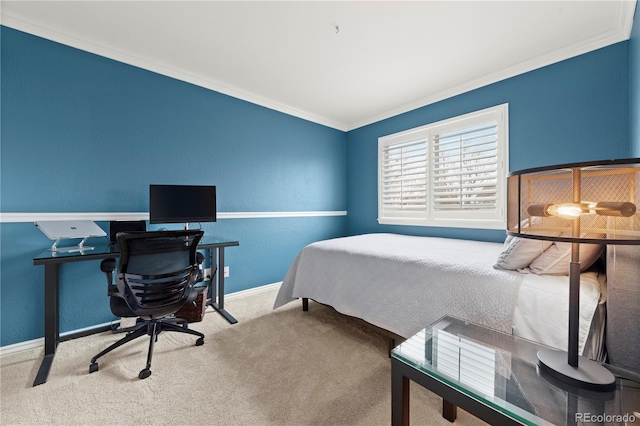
point(634, 84)
point(82, 133)
point(575, 110)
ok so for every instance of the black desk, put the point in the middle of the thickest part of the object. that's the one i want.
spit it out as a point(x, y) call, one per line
point(52, 262)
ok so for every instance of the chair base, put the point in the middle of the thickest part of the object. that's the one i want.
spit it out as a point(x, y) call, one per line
point(151, 328)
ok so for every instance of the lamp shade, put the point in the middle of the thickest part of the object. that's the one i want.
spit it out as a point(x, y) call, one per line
point(593, 202)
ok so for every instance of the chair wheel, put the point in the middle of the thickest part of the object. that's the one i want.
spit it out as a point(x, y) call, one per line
point(93, 367)
point(200, 341)
point(144, 373)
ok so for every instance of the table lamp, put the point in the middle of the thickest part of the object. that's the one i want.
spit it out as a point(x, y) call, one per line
point(592, 203)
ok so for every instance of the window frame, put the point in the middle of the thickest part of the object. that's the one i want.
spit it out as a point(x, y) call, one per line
point(482, 219)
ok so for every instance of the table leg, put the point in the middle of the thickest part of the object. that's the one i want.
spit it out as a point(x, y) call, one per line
point(218, 304)
point(399, 396)
point(449, 410)
point(51, 320)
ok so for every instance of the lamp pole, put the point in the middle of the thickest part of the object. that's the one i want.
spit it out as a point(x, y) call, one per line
point(574, 278)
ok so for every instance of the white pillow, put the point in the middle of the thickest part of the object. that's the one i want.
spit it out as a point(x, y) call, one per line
point(555, 260)
point(518, 253)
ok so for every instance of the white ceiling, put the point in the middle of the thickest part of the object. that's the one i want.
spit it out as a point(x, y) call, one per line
point(341, 64)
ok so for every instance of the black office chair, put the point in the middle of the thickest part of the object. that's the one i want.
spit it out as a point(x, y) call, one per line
point(156, 277)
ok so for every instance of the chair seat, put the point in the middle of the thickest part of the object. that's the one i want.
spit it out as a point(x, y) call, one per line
point(120, 308)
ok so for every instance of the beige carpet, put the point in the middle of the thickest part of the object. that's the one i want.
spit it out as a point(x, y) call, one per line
point(283, 367)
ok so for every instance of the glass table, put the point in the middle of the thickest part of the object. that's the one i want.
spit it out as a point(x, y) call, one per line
point(494, 376)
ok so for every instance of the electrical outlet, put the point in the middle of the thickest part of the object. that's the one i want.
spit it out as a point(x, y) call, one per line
point(207, 274)
point(226, 271)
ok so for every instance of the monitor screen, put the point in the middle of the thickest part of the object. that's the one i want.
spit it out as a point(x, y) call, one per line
point(182, 203)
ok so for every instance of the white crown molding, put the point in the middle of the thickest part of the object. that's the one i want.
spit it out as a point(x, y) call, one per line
point(41, 217)
point(621, 32)
point(120, 56)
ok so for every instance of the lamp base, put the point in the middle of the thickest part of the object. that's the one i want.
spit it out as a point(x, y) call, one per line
point(588, 375)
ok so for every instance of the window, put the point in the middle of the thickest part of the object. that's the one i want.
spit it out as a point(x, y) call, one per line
point(450, 173)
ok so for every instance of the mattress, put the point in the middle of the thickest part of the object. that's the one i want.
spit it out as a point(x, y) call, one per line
point(542, 311)
point(404, 283)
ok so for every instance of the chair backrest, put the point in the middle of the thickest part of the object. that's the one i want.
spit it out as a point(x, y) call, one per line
point(157, 270)
point(117, 226)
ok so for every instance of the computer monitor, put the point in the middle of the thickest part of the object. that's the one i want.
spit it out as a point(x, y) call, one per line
point(182, 203)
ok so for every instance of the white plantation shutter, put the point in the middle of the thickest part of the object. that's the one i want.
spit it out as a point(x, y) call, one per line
point(404, 181)
point(465, 169)
point(449, 173)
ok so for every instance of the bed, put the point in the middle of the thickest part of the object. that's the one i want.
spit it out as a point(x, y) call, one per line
point(403, 283)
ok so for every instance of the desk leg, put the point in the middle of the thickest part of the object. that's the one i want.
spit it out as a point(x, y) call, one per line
point(399, 395)
point(218, 303)
point(51, 320)
point(449, 410)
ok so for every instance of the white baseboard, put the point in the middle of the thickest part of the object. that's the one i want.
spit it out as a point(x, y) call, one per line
point(22, 346)
point(38, 343)
point(255, 290)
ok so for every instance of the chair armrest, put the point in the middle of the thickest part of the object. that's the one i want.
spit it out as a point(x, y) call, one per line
point(108, 266)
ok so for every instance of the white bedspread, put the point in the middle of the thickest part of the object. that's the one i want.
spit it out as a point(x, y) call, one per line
point(405, 283)
point(542, 311)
